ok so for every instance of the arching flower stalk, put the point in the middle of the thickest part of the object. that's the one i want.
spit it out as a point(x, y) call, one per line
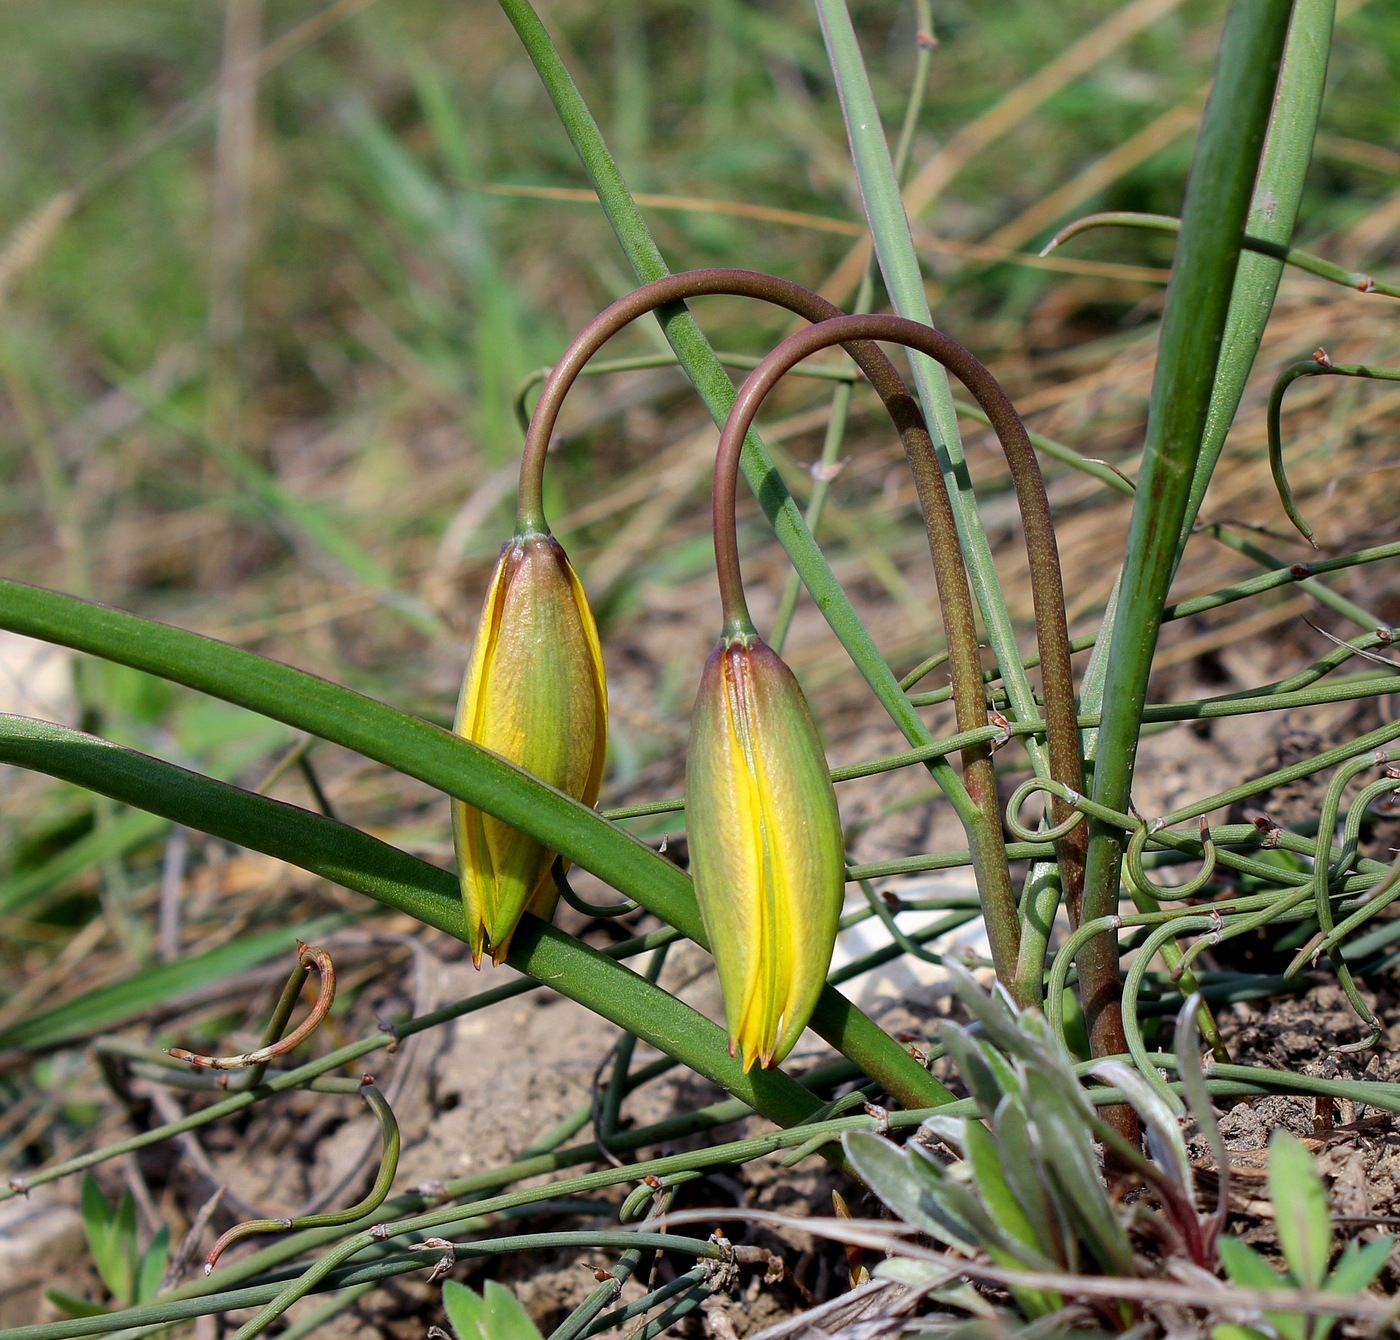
point(766, 849)
point(1099, 964)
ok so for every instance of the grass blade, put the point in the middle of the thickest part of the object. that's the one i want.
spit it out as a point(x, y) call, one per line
point(1213, 222)
point(110, 1006)
point(441, 760)
point(899, 265)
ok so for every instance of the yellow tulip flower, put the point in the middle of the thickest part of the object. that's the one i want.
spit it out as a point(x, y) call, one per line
point(534, 693)
point(766, 848)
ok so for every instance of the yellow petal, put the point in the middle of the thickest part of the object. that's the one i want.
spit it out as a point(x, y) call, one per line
point(535, 694)
point(766, 847)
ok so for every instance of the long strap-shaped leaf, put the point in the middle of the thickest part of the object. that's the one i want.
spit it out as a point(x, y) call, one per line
point(1273, 211)
point(1198, 301)
point(426, 892)
point(440, 759)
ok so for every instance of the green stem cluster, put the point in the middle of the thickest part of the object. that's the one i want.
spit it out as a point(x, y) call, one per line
point(1193, 329)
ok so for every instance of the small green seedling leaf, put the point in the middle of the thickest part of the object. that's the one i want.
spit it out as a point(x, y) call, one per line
point(1246, 1267)
point(1356, 1270)
point(1025, 1175)
point(494, 1314)
point(1193, 1084)
point(1005, 1211)
point(1359, 1265)
point(915, 1198)
point(1075, 1173)
point(506, 1318)
point(975, 1066)
point(465, 1310)
point(111, 1235)
point(151, 1270)
point(95, 1210)
point(990, 1179)
point(73, 1306)
point(1301, 1212)
point(1229, 1330)
point(1164, 1139)
point(1249, 1270)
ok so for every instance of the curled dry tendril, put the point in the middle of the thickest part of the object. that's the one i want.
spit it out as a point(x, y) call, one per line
point(309, 958)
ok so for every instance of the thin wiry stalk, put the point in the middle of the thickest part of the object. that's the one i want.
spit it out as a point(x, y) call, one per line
point(1319, 365)
point(1280, 251)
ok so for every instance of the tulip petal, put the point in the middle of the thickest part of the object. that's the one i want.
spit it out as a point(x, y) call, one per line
point(766, 847)
point(535, 694)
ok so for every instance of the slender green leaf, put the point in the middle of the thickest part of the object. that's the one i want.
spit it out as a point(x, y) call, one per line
point(111, 1235)
point(1273, 211)
point(1222, 178)
point(97, 1225)
point(1356, 1270)
point(1301, 1212)
point(360, 862)
point(975, 1066)
point(980, 1200)
point(125, 1254)
point(414, 747)
point(953, 1190)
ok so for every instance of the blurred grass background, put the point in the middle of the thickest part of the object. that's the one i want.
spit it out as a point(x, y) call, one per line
point(271, 272)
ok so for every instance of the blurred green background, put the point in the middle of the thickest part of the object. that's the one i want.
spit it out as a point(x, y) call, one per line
point(278, 317)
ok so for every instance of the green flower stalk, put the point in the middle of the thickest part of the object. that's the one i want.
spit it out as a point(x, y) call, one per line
point(765, 845)
point(535, 693)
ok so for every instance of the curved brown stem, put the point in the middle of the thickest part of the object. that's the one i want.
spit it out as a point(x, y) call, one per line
point(309, 958)
point(980, 817)
point(1052, 634)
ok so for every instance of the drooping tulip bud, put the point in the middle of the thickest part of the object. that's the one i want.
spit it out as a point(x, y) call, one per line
point(535, 694)
point(766, 849)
